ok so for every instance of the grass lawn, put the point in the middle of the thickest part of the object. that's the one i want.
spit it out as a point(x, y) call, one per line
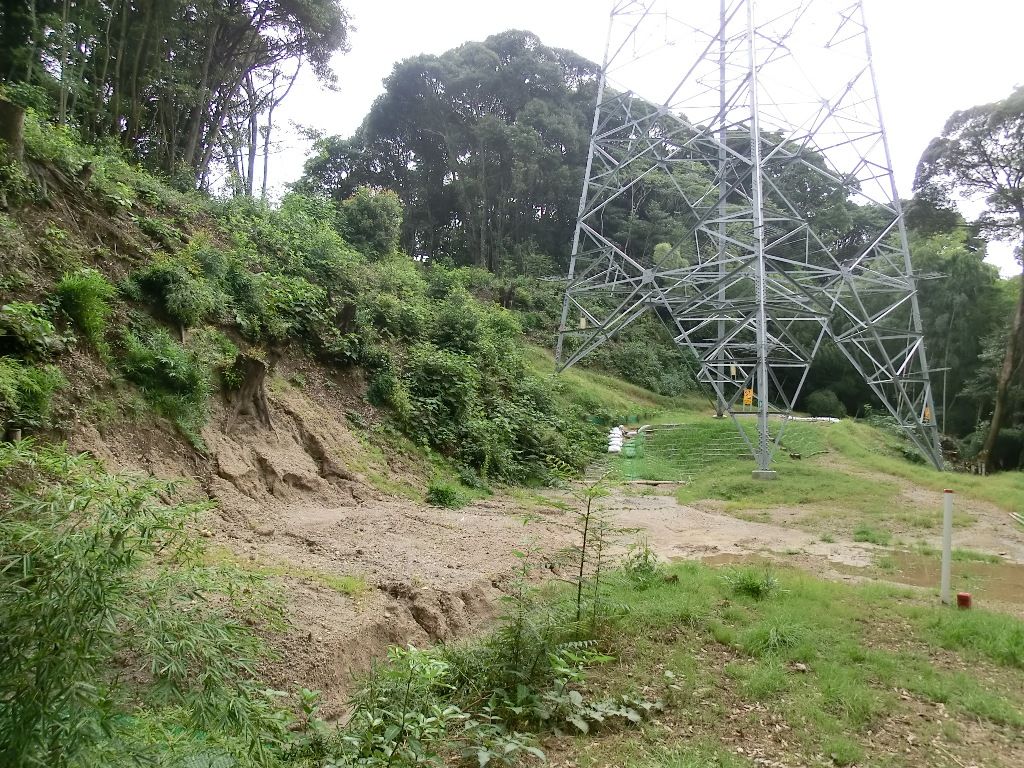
point(598, 393)
point(780, 668)
point(845, 477)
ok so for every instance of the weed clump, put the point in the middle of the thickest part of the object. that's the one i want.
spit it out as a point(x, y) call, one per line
point(867, 534)
point(26, 393)
point(84, 296)
point(753, 583)
point(173, 379)
point(96, 570)
point(641, 566)
point(26, 330)
point(180, 290)
point(441, 493)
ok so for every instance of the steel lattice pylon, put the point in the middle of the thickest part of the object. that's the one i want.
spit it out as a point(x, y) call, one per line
point(770, 126)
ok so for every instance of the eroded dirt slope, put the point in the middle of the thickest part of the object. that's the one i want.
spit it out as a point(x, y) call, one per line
point(360, 568)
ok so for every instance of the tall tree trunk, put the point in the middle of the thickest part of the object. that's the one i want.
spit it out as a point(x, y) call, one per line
point(134, 102)
point(62, 99)
point(202, 105)
point(212, 131)
point(12, 131)
point(115, 83)
point(270, 122)
point(253, 138)
point(482, 261)
point(1013, 344)
point(35, 41)
point(95, 124)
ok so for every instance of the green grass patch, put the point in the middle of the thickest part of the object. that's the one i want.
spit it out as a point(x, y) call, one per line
point(959, 555)
point(799, 483)
point(598, 393)
point(995, 636)
point(811, 648)
point(761, 681)
point(351, 586)
point(710, 455)
point(872, 448)
point(865, 533)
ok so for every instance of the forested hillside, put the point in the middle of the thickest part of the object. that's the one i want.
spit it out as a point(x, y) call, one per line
point(485, 146)
point(479, 152)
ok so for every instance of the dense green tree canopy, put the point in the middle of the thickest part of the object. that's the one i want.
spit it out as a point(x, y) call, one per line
point(180, 84)
point(980, 154)
point(485, 145)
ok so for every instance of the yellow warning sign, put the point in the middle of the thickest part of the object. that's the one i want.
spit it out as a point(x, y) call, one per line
point(927, 415)
point(748, 397)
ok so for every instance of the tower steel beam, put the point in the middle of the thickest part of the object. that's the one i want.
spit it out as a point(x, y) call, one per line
point(769, 155)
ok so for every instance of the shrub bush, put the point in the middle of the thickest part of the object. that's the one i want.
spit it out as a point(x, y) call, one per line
point(84, 296)
point(457, 324)
point(371, 221)
point(825, 402)
point(56, 144)
point(26, 393)
point(96, 571)
point(444, 494)
point(173, 379)
point(26, 330)
point(443, 393)
point(388, 390)
point(180, 291)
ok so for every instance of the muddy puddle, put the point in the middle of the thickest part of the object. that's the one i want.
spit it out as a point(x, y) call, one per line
point(999, 582)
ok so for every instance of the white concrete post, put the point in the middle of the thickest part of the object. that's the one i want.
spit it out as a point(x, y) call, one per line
point(947, 545)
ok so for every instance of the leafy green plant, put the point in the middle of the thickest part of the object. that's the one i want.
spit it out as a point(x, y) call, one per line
point(180, 290)
point(95, 570)
point(401, 717)
point(15, 185)
point(56, 144)
point(160, 230)
point(218, 354)
point(26, 393)
point(174, 380)
point(26, 329)
point(441, 493)
point(84, 296)
point(641, 565)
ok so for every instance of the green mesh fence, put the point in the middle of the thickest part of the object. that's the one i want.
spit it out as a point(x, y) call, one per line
point(679, 452)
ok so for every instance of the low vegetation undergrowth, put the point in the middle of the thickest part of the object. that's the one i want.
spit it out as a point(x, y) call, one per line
point(165, 288)
point(752, 654)
point(126, 641)
point(116, 638)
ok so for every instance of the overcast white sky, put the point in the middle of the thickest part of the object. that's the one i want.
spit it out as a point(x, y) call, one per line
point(932, 57)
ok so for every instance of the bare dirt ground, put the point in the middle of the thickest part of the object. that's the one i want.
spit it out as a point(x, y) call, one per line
point(437, 575)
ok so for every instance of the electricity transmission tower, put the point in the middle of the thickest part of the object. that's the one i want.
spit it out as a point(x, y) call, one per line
point(767, 128)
